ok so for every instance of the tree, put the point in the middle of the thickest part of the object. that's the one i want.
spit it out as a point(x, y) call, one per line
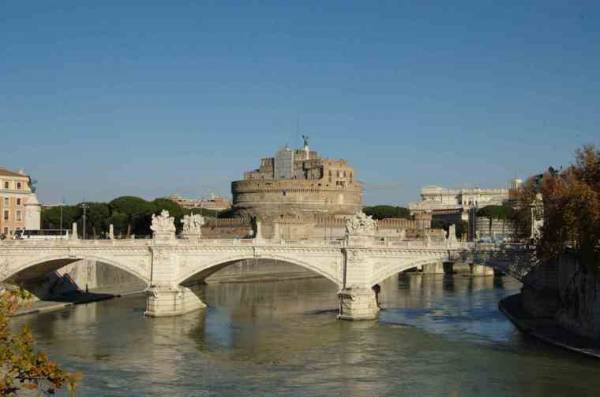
point(97, 215)
point(138, 212)
point(51, 216)
point(495, 212)
point(571, 208)
point(22, 367)
point(120, 222)
point(462, 227)
point(387, 211)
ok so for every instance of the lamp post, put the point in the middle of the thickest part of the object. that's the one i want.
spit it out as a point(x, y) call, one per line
point(62, 204)
point(84, 206)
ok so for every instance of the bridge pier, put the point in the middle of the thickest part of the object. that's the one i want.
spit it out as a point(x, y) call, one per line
point(357, 303)
point(434, 268)
point(164, 301)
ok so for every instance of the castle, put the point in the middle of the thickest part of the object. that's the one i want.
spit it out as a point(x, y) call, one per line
point(297, 184)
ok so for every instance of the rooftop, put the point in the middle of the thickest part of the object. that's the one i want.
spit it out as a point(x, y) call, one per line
point(7, 172)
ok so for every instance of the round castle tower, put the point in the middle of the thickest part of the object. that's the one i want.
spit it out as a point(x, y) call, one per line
point(297, 184)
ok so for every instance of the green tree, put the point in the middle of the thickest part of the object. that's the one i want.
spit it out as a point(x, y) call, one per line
point(97, 215)
point(462, 227)
point(138, 212)
point(387, 211)
point(50, 217)
point(23, 368)
point(495, 212)
point(120, 222)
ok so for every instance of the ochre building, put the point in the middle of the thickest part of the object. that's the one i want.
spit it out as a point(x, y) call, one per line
point(297, 184)
point(19, 206)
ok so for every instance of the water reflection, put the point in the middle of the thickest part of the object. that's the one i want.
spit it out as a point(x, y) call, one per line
point(438, 336)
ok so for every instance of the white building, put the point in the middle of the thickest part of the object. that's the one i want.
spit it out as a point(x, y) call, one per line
point(442, 201)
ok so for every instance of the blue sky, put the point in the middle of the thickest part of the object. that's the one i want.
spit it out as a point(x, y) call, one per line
point(100, 99)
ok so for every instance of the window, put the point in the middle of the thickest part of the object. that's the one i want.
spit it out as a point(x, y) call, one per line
point(6, 215)
point(19, 185)
point(18, 201)
point(6, 185)
point(19, 216)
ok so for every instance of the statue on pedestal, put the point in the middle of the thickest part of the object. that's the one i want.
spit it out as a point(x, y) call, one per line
point(163, 226)
point(192, 225)
point(360, 224)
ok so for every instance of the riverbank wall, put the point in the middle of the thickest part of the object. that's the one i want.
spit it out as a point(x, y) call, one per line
point(566, 291)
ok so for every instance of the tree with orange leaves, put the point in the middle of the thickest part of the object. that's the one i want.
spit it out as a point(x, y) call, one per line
point(22, 368)
point(571, 208)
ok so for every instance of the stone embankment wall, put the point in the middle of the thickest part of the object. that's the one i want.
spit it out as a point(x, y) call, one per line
point(260, 269)
point(566, 291)
point(579, 289)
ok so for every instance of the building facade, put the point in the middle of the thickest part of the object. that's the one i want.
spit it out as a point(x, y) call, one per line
point(19, 206)
point(214, 203)
point(454, 204)
point(297, 183)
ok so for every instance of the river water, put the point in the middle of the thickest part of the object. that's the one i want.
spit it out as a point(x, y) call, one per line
point(438, 336)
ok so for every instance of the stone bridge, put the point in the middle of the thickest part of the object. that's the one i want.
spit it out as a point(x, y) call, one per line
point(173, 268)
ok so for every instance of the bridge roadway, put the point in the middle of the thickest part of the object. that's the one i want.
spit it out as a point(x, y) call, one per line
point(173, 268)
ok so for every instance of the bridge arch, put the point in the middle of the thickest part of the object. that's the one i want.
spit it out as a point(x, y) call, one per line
point(39, 267)
point(402, 265)
point(199, 273)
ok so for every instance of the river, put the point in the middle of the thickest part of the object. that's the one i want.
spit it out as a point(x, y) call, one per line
point(438, 336)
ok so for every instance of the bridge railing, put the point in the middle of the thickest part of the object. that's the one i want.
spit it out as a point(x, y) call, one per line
point(406, 244)
point(65, 243)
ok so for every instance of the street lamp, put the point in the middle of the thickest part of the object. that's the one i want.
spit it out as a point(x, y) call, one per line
point(62, 204)
point(84, 206)
point(61, 219)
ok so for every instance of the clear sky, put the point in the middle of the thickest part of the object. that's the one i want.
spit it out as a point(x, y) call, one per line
point(107, 98)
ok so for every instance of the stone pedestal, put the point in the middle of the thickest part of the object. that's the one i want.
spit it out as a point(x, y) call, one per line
point(74, 235)
point(480, 270)
point(360, 241)
point(191, 236)
point(357, 303)
point(434, 268)
point(171, 301)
